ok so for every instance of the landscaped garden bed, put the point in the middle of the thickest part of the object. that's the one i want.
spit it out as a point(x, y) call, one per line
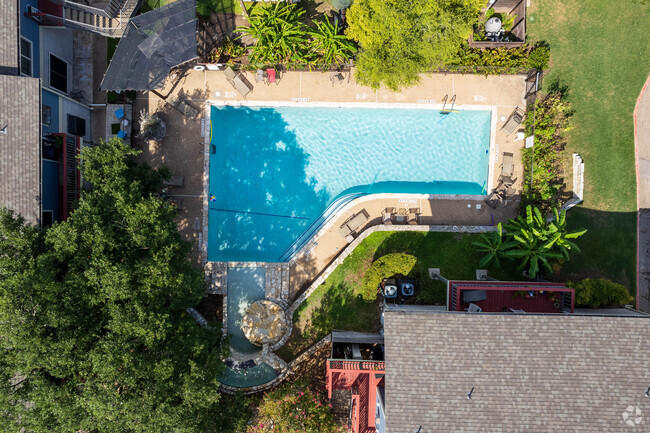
point(339, 302)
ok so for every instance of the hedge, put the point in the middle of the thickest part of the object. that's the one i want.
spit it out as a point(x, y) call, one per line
point(385, 267)
point(594, 293)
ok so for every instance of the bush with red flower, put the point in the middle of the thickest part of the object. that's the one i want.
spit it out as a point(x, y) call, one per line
point(293, 409)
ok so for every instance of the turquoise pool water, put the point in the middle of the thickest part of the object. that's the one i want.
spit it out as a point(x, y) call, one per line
point(274, 171)
point(254, 376)
point(245, 286)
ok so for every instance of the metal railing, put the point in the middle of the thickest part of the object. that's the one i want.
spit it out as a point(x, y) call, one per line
point(352, 365)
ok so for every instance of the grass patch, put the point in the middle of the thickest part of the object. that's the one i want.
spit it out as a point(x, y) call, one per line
point(111, 46)
point(337, 303)
point(597, 50)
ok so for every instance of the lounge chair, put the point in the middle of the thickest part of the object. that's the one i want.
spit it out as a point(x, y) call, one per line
point(513, 121)
point(181, 106)
point(238, 81)
point(174, 181)
point(241, 84)
point(473, 308)
point(506, 167)
point(229, 73)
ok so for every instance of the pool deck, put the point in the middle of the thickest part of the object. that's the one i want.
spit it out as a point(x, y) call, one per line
point(184, 146)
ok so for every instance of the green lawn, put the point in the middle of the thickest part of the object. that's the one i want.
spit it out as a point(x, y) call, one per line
point(600, 50)
point(337, 304)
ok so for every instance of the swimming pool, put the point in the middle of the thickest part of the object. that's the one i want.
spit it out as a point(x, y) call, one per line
point(274, 171)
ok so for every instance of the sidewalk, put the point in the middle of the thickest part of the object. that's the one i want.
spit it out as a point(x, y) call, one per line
point(642, 144)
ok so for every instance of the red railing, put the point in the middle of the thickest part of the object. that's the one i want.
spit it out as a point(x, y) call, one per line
point(49, 13)
point(70, 190)
point(348, 365)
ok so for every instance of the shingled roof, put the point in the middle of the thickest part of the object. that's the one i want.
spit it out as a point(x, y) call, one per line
point(530, 373)
point(20, 146)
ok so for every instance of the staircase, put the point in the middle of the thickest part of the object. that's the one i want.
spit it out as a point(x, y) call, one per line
point(110, 21)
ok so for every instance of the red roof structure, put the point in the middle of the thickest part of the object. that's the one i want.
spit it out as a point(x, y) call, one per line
point(362, 378)
point(506, 297)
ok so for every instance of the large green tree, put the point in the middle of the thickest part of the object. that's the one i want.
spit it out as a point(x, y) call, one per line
point(398, 39)
point(93, 329)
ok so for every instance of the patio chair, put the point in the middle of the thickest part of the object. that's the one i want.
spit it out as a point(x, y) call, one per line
point(119, 113)
point(414, 215)
point(494, 199)
point(473, 308)
point(401, 216)
point(336, 78)
point(513, 121)
point(121, 134)
point(260, 76)
point(270, 76)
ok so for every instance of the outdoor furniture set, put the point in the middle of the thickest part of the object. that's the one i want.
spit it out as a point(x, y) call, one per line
point(402, 216)
point(243, 86)
point(504, 190)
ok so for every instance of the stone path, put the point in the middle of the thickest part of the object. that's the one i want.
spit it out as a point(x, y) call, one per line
point(642, 144)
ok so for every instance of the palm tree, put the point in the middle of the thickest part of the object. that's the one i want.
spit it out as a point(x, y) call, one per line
point(329, 46)
point(279, 33)
point(494, 247)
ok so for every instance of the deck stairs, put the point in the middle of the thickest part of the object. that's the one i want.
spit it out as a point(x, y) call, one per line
point(110, 21)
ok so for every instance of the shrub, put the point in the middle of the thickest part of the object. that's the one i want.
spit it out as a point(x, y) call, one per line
point(598, 292)
point(292, 408)
point(152, 127)
point(384, 267)
point(499, 60)
point(551, 120)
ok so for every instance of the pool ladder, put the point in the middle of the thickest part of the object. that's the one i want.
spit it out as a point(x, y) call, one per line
point(446, 110)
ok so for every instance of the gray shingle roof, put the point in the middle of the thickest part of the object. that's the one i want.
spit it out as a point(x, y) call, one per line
point(530, 373)
point(20, 147)
point(9, 38)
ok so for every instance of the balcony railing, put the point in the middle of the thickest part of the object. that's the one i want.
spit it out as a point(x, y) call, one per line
point(352, 365)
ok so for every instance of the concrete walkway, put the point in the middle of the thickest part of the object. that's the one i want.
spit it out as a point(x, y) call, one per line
point(642, 144)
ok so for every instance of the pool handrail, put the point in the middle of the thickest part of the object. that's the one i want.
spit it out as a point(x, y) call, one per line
point(318, 223)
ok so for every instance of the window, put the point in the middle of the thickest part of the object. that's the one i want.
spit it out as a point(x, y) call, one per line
point(58, 74)
point(47, 218)
point(25, 56)
point(76, 125)
point(47, 115)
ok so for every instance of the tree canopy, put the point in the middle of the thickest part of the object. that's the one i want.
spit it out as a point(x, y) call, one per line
point(95, 337)
point(400, 38)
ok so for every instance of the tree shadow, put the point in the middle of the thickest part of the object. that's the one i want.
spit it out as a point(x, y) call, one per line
point(342, 308)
